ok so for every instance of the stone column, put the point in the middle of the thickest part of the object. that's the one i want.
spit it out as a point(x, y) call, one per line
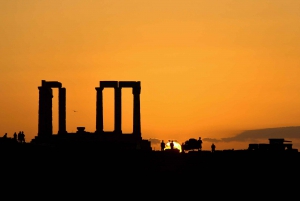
point(136, 111)
point(45, 111)
point(99, 110)
point(62, 111)
point(118, 110)
point(41, 113)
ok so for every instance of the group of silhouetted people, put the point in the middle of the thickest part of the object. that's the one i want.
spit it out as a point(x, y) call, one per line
point(20, 137)
point(163, 145)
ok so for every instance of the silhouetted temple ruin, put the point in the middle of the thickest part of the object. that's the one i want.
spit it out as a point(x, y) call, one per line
point(100, 138)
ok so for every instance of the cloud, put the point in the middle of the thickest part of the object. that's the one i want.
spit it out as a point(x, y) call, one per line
point(262, 134)
point(154, 141)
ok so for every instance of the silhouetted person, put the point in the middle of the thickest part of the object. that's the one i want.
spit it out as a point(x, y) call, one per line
point(172, 145)
point(22, 137)
point(213, 148)
point(15, 136)
point(182, 147)
point(19, 136)
point(162, 145)
point(5, 135)
point(200, 144)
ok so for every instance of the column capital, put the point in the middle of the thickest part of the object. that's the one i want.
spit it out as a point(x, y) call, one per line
point(136, 90)
point(99, 88)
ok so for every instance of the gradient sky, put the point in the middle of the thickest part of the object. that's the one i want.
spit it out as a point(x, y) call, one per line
point(209, 68)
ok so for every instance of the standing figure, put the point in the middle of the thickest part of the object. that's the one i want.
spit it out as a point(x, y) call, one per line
point(22, 137)
point(172, 145)
point(200, 144)
point(213, 148)
point(15, 136)
point(162, 145)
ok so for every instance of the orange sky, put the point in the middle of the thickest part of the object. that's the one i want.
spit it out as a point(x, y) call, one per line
point(207, 68)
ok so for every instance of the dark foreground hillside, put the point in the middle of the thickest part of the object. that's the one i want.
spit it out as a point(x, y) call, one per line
point(90, 171)
point(94, 161)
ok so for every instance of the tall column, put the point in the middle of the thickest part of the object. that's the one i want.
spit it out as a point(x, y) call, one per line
point(62, 111)
point(99, 110)
point(45, 111)
point(118, 110)
point(49, 117)
point(136, 111)
point(41, 113)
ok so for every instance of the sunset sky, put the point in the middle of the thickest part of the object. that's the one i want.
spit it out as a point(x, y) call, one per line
point(208, 68)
